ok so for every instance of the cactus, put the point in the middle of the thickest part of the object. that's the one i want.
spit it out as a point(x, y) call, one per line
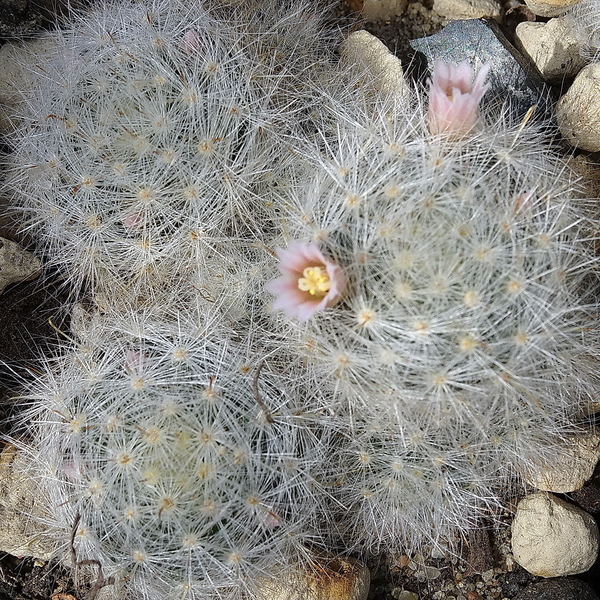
point(463, 347)
point(188, 458)
point(153, 132)
point(436, 273)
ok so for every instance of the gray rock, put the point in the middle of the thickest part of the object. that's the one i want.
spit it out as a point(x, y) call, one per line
point(558, 589)
point(513, 76)
point(16, 264)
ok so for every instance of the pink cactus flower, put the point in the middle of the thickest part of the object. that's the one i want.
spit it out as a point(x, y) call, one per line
point(454, 98)
point(133, 220)
point(191, 42)
point(309, 281)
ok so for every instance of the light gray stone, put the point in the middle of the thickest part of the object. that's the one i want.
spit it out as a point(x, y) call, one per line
point(383, 10)
point(369, 56)
point(552, 538)
point(468, 9)
point(549, 8)
point(553, 47)
point(341, 579)
point(576, 465)
point(578, 111)
point(404, 595)
point(16, 264)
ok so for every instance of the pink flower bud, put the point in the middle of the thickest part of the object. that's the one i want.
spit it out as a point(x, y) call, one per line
point(454, 98)
point(191, 42)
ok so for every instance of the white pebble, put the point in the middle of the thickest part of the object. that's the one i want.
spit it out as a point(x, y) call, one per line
point(576, 466)
point(468, 9)
point(553, 47)
point(370, 57)
point(549, 8)
point(552, 538)
point(383, 10)
point(578, 111)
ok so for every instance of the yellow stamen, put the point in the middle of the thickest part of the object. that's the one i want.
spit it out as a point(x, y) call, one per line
point(315, 281)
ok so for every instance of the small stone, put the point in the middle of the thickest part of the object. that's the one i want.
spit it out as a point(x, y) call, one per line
point(403, 561)
point(370, 56)
point(549, 8)
point(16, 264)
point(558, 589)
point(468, 9)
point(340, 579)
point(553, 47)
point(432, 573)
point(488, 575)
point(552, 538)
point(575, 465)
point(578, 111)
point(383, 10)
point(406, 595)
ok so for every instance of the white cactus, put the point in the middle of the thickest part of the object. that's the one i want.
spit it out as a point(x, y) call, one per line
point(153, 130)
point(464, 345)
point(189, 457)
point(450, 291)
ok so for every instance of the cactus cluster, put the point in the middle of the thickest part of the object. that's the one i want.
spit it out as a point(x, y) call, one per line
point(188, 484)
point(437, 279)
